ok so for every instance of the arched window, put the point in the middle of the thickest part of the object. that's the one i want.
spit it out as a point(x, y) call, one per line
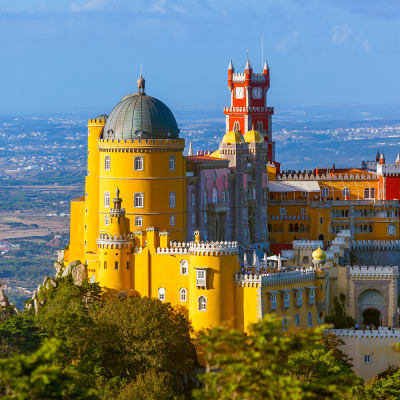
point(291, 228)
point(202, 303)
point(296, 227)
point(214, 176)
point(161, 294)
point(184, 267)
point(106, 199)
point(182, 294)
point(302, 228)
point(269, 228)
point(138, 164)
point(205, 199)
point(297, 319)
point(171, 163)
point(391, 229)
point(138, 200)
point(260, 126)
point(172, 220)
point(138, 221)
point(214, 195)
point(325, 192)
point(107, 163)
point(172, 199)
point(309, 319)
point(236, 126)
point(346, 193)
point(193, 199)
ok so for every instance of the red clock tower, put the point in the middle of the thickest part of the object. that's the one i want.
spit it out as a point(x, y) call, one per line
point(248, 109)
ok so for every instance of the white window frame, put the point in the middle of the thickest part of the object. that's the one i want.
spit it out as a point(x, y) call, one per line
point(182, 294)
point(391, 229)
point(282, 211)
point(202, 303)
point(138, 221)
point(138, 200)
point(107, 163)
point(346, 192)
point(325, 192)
point(138, 163)
point(161, 294)
point(201, 277)
point(172, 163)
point(284, 195)
point(172, 199)
point(107, 199)
point(107, 220)
point(303, 211)
point(172, 220)
point(367, 359)
point(184, 267)
point(193, 199)
point(297, 319)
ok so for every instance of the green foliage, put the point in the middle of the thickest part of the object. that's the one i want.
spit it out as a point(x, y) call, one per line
point(340, 319)
point(266, 364)
point(18, 334)
point(150, 386)
point(36, 377)
point(136, 335)
point(385, 388)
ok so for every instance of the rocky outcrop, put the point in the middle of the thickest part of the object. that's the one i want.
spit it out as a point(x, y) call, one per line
point(6, 308)
point(75, 269)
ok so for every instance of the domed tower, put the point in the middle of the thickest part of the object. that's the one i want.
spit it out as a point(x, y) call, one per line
point(115, 246)
point(319, 259)
point(140, 152)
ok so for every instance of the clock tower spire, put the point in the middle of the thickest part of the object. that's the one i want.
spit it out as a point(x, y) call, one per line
point(248, 109)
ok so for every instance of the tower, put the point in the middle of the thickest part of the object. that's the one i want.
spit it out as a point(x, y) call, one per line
point(248, 109)
point(114, 247)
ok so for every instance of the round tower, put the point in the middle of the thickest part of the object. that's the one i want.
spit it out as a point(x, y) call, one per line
point(114, 247)
point(213, 266)
point(141, 153)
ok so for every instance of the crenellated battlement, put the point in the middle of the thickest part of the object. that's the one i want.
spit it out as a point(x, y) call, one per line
point(304, 244)
point(304, 176)
point(375, 244)
point(207, 248)
point(106, 241)
point(295, 275)
point(96, 121)
point(269, 110)
point(367, 333)
point(357, 271)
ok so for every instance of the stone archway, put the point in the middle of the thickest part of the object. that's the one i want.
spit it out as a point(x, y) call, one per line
point(372, 308)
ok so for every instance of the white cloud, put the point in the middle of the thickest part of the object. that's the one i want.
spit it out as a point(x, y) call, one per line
point(345, 34)
point(284, 43)
point(341, 34)
point(90, 5)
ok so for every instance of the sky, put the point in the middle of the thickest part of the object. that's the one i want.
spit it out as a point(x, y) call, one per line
point(65, 56)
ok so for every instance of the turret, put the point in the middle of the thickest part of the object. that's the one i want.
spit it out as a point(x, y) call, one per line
point(231, 70)
point(266, 72)
point(382, 159)
point(398, 159)
point(247, 73)
point(378, 156)
point(114, 248)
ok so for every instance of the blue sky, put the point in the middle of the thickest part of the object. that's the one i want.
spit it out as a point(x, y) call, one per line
point(59, 55)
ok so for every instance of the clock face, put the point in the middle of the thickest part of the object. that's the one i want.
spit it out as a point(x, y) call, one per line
point(257, 93)
point(239, 92)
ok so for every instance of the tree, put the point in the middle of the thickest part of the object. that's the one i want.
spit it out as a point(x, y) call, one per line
point(136, 335)
point(150, 386)
point(65, 316)
point(340, 319)
point(269, 364)
point(19, 334)
point(36, 377)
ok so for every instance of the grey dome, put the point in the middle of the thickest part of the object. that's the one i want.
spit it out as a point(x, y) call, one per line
point(140, 116)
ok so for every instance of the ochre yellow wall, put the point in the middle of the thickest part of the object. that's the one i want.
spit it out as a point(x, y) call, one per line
point(75, 248)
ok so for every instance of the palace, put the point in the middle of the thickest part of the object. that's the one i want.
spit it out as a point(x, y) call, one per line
point(184, 228)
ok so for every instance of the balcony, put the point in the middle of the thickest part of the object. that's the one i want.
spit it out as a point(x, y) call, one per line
point(218, 207)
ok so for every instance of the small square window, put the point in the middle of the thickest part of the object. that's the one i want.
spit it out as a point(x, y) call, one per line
point(367, 359)
point(282, 211)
